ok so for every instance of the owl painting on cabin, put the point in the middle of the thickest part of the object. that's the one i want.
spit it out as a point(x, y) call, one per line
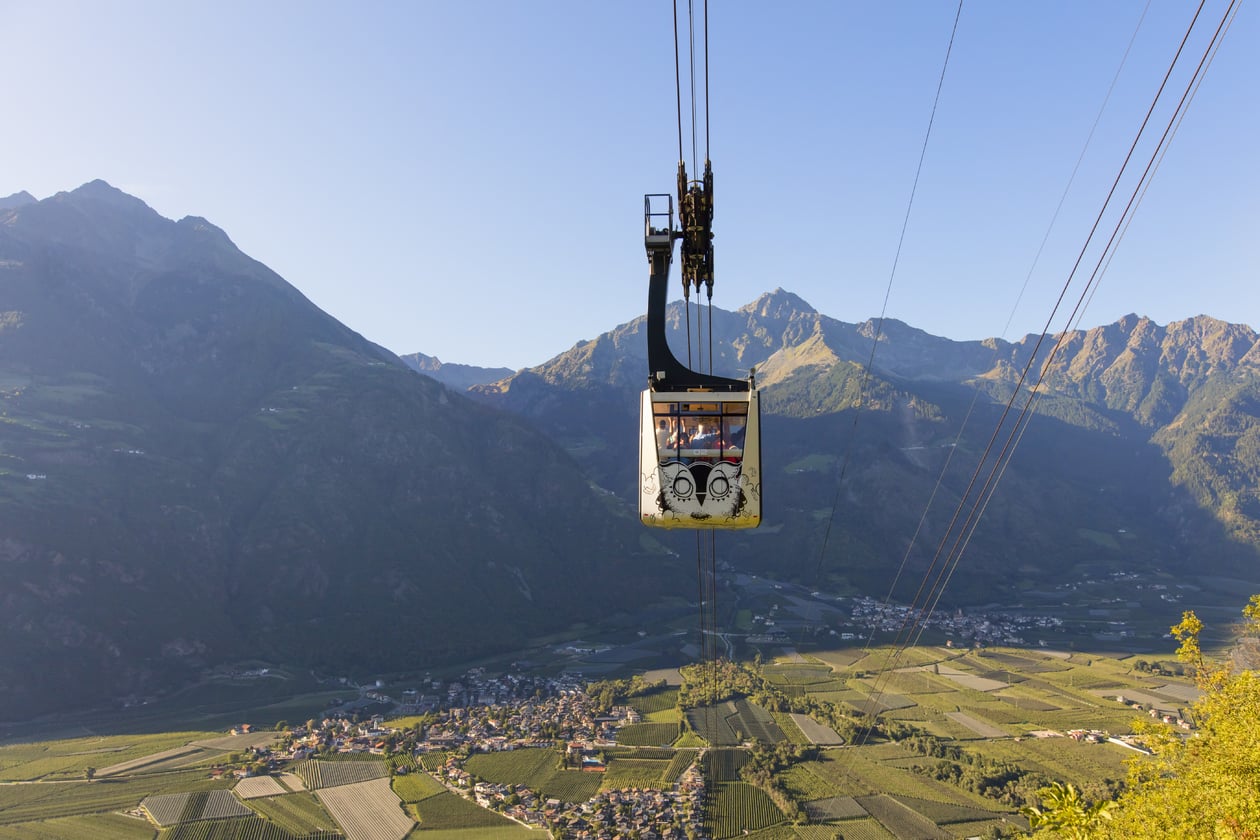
point(701, 491)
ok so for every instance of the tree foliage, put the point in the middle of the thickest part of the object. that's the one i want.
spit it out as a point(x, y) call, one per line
point(1065, 812)
point(1208, 785)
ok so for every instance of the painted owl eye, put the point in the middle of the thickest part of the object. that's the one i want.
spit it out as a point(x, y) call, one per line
point(719, 486)
point(683, 486)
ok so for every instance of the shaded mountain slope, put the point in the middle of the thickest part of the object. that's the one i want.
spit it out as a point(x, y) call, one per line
point(197, 466)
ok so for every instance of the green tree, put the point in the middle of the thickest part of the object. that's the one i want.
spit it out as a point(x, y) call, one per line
point(1207, 786)
point(1065, 813)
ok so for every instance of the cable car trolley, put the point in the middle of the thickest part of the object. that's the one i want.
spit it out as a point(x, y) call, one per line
point(699, 434)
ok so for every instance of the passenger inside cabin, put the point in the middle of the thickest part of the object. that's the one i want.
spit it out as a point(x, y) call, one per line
point(705, 438)
point(679, 439)
point(662, 435)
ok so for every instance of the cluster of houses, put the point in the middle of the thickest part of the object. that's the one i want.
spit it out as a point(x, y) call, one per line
point(1161, 715)
point(998, 628)
point(568, 715)
point(650, 814)
point(472, 688)
point(523, 713)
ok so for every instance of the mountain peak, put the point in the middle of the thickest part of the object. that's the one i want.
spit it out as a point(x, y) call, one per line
point(777, 304)
point(101, 192)
point(11, 202)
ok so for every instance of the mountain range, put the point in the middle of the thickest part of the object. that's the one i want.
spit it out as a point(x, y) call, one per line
point(199, 467)
point(1141, 430)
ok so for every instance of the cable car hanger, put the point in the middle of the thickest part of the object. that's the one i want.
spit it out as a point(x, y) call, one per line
point(699, 434)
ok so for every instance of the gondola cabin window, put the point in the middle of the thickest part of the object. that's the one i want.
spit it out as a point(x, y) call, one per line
point(700, 431)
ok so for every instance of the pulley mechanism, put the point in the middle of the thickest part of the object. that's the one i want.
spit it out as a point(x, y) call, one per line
point(695, 218)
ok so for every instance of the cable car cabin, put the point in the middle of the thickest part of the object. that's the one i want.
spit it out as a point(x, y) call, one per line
point(700, 459)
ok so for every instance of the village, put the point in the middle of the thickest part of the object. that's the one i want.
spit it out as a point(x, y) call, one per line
point(520, 713)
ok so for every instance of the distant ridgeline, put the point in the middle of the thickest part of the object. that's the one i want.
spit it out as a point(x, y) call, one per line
point(198, 466)
point(1144, 454)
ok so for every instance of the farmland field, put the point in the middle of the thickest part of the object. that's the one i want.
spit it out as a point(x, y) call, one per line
point(172, 808)
point(511, 831)
point(901, 820)
point(570, 785)
point(413, 787)
point(803, 784)
point(96, 826)
point(367, 810)
point(815, 732)
point(711, 724)
point(69, 759)
point(256, 786)
point(26, 803)
point(165, 760)
point(240, 828)
point(864, 829)
point(434, 760)
point(678, 765)
point(980, 727)
point(835, 808)
point(788, 727)
point(724, 765)
point(738, 807)
point(448, 811)
point(730, 723)
point(525, 767)
point(1064, 758)
point(537, 769)
point(777, 832)
point(634, 772)
point(317, 773)
point(944, 813)
point(757, 723)
point(648, 734)
point(841, 659)
point(297, 813)
point(658, 701)
point(798, 674)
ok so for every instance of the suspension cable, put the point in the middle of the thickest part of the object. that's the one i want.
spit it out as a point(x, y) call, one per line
point(1006, 452)
point(706, 80)
point(975, 398)
point(678, 83)
point(879, 329)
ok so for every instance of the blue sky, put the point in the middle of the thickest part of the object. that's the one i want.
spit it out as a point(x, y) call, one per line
point(466, 179)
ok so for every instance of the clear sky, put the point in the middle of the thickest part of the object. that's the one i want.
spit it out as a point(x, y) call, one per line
point(466, 179)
